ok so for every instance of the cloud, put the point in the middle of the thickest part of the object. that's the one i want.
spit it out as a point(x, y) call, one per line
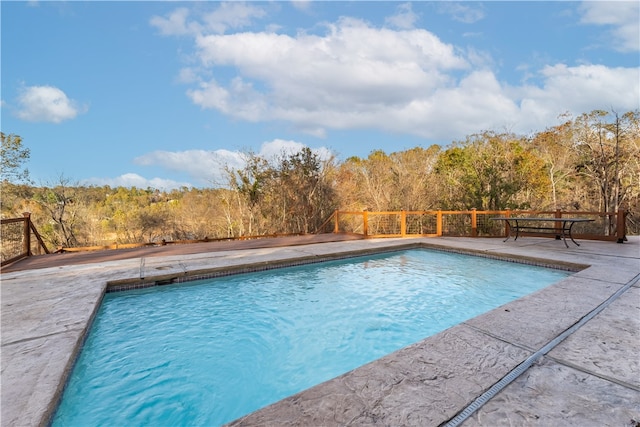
point(229, 15)
point(404, 19)
point(273, 150)
point(206, 167)
point(46, 104)
point(232, 15)
point(462, 12)
point(353, 75)
point(188, 75)
point(135, 180)
point(343, 79)
point(210, 167)
point(176, 23)
point(623, 20)
point(579, 89)
point(303, 5)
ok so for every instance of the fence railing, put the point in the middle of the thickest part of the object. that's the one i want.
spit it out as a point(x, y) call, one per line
point(20, 239)
point(610, 226)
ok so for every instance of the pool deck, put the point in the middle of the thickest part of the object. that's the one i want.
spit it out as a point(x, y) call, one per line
point(579, 339)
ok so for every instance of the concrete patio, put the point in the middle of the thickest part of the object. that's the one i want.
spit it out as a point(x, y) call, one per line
point(581, 367)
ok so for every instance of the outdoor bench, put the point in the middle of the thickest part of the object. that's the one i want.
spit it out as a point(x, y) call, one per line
point(560, 227)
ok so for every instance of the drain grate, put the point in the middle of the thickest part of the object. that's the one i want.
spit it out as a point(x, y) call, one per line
point(521, 368)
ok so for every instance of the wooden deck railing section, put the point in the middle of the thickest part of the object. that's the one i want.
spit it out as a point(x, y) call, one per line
point(608, 226)
point(17, 241)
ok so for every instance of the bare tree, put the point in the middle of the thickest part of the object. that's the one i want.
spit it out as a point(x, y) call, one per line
point(60, 201)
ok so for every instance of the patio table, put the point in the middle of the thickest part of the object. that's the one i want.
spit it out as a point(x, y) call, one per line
point(561, 227)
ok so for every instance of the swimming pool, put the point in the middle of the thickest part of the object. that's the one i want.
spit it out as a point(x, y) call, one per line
point(206, 353)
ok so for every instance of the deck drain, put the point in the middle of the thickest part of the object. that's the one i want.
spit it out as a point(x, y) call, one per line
point(521, 368)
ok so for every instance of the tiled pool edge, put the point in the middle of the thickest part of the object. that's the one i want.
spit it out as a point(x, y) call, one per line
point(203, 274)
point(73, 359)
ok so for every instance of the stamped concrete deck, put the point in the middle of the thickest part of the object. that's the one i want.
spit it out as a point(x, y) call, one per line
point(589, 378)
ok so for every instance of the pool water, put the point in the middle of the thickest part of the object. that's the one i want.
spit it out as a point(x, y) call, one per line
point(207, 352)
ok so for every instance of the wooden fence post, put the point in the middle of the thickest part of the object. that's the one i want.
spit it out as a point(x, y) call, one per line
point(507, 214)
point(365, 223)
point(621, 226)
point(336, 228)
point(403, 223)
point(558, 226)
point(26, 241)
point(439, 224)
point(474, 223)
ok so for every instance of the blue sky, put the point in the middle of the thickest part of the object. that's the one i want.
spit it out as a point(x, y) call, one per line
point(166, 94)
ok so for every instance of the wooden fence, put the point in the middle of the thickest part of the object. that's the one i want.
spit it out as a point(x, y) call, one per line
point(18, 239)
point(18, 242)
point(610, 226)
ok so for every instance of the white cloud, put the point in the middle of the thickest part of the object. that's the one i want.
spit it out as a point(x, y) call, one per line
point(238, 100)
point(406, 81)
point(210, 167)
point(405, 18)
point(135, 180)
point(303, 5)
point(205, 167)
point(467, 13)
point(176, 23)
point(188, 75)
point(343, 79)
point(232, 15)
point(586, 83)
point(623, 18)
point(273, 150)
point(229, 15)
point(46, 104)
point(579, 89)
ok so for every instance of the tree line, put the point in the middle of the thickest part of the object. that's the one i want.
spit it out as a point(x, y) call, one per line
point(587, 163)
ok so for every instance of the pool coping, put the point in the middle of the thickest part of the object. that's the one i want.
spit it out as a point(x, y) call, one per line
point(128, 284)
point(35, 401)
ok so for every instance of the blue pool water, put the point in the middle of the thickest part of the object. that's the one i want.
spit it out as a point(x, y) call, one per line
point(208, 352)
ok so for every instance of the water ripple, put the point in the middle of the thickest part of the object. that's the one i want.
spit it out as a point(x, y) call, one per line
point(206, 353)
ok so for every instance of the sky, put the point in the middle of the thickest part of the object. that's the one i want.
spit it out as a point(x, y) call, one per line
point(168, 94)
